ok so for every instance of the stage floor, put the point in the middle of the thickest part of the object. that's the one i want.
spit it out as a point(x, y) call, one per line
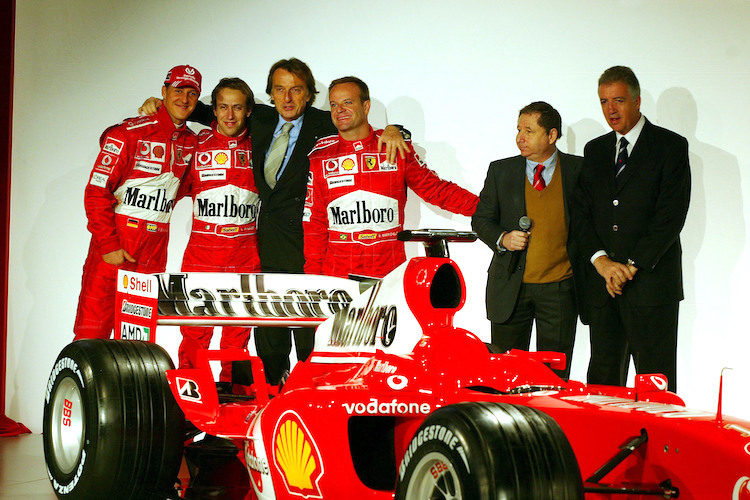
point(22, 471)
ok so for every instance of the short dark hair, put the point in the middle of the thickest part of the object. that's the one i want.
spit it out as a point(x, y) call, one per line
point(622, 74)
point(234, 84)
point(549, 118)
point(364, 91)
point(296, 67)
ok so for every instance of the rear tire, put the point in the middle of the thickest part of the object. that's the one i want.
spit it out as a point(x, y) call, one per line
point(488, 451)
point(112, 428)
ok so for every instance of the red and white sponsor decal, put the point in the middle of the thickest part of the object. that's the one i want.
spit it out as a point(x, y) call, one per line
point(148, 167)
point(377, 320)
point(340, 181)
point(112, 145)
point(392, 407)
point(741, 490)
point(228, 204)
point(361, 211)
point(348, 164)
point(105, 162)
point(99, 180)
point(148, 198)
point(377, 163)
point(212, 175)
point(142, 285)
point(136, 299)
point(309, 198)
point(148, 150)
point(257, 461)
point(397, 382)
point(218, 158)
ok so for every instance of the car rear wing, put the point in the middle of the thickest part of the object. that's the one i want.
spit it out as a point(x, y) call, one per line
point(144, 301)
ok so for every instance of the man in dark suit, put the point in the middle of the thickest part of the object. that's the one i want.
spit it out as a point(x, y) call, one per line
point(533, 273)
point(634, 197)
point(293, 126)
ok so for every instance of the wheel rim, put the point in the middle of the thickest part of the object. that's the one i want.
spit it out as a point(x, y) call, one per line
point(67, 425)
point(434, 478)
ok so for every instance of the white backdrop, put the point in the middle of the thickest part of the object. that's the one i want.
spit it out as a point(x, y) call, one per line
point(454, 73)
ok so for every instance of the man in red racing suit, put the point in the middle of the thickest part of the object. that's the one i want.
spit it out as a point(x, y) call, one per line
point(130, 196)
point(225, 209)
point(355, 200)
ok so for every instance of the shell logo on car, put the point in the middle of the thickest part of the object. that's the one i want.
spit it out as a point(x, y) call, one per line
point(297, 457)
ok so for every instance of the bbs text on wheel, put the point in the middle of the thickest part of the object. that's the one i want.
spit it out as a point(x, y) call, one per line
point(484, 451)
point(112, 428)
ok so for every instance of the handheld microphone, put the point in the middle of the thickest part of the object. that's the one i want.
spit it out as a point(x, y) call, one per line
point(524, 224)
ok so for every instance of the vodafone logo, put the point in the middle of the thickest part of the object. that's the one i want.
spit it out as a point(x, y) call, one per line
point(331, 165)
point(659, 382)
point(397, 382)
point(741, 489)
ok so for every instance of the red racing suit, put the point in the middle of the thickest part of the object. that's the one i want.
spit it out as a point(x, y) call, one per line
point(355, 206)
point(129, 201)
point(223, 237)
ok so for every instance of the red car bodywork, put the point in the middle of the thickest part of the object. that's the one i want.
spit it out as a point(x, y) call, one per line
point(343, 423)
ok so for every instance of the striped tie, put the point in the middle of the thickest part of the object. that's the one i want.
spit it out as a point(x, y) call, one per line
point(622, 157)
point(276, 155)
point(539, 183)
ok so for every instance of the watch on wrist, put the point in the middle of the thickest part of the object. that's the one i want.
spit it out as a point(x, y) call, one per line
point(404, 131)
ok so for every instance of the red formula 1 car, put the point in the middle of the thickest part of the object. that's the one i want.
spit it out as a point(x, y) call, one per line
point(395, 402)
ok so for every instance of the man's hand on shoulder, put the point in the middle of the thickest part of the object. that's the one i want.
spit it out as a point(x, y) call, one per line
point(150, 106)
point(393, 141)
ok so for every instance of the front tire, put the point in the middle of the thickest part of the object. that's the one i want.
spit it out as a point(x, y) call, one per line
point(112, 428)
point(488, 451)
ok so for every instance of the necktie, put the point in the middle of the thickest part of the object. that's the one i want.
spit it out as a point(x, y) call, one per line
point(276, 155)
point(539, 183)
point(622, 157)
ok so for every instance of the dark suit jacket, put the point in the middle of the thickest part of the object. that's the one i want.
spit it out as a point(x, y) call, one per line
point(280, 237)
point(638, 217)
point(501, 203)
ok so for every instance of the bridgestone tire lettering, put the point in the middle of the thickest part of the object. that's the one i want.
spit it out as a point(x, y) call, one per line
point(486, 451)
point(128, 429)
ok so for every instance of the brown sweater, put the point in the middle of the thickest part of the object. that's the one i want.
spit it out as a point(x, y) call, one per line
point(547, 255)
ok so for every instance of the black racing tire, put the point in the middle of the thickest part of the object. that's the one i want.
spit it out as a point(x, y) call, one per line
point(112, 428)
point(489, 451)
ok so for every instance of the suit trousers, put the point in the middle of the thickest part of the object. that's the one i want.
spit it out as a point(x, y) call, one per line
point(553, 306)
point(619, 330)
point(274, 344)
